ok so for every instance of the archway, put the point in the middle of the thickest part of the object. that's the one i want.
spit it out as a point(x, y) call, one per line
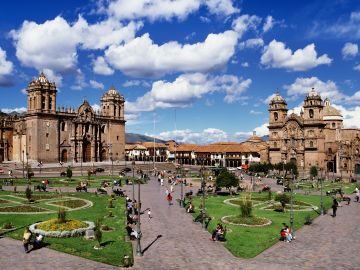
point(357, 169)
point(64, 156)
point(103, 155)
point(86, 151)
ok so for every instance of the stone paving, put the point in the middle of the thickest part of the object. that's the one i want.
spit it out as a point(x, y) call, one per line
point(329, 243)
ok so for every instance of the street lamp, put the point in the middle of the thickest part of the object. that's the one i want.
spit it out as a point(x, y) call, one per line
point(138, 244)
point(133, 189)
point(321, 194)
point(27, 166)
point(23, 163)
point(292, 204)
point(203, 194)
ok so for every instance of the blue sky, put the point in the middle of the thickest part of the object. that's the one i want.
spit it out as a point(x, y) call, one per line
point(203, 70)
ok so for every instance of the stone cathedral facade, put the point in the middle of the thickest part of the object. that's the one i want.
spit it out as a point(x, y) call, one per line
point(316, 137)
point(47, 134)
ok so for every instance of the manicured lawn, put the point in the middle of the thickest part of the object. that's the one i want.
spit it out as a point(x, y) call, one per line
point(247, 242)
point(114, 246)
point(348, 188)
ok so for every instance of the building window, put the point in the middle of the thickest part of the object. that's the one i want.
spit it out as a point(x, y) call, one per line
point(275, 144)
point(43, 103)
point(311, 144)
point(276, 116)
point(50, 103)
point(330, 151)
point(62, 126)
point(117, 138)
point(333, 125)
point(311, 113)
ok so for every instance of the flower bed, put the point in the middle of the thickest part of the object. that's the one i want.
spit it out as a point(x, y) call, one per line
point(71, 203)
point(22, 208)
point(248, 221)
point(4, 201)
point(70, 230)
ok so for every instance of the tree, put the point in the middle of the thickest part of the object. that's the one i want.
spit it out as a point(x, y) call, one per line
point(313, 171)
point(226, 179)
point(69, 172)
point(291, 166)
point(98, 232)
point(28, 193)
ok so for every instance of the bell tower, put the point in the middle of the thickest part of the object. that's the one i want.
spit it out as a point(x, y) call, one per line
point(313, 106)
point(41, 95)
point(112, 104)
point(277, 110)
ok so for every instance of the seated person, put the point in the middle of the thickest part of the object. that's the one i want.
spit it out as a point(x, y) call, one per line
point(131, 231)
point(190, 208)
point(218, 231)
point(38, 240)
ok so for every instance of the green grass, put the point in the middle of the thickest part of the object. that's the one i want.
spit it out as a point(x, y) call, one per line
point(114, 245)
point(348, 188)
point(248, 242)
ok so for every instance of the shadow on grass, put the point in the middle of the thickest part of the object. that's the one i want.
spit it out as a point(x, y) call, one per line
point(107, 243)
point(157, 237)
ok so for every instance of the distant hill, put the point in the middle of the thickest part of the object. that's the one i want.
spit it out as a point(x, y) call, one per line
point(133, 137)
point(265, 138)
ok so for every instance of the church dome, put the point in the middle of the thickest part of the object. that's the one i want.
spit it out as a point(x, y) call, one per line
point(277, 99)
point(329, 110)
point(112, 91)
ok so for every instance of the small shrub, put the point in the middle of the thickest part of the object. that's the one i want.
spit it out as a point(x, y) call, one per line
point(269, 195)
point(308, 220)
point(69, 172)
point(98, 232)
point(61, 215)
point(110, 214)
point(106, 228)
point(246, 207)
point(28, 193)
point(110, 205)
point(15, 189)
point(282, 197)
point(7, 226)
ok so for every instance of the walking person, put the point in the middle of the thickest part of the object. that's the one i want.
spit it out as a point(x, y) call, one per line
point(149, 213)
point(169, 198)
point(26, 239)
point(334, 207)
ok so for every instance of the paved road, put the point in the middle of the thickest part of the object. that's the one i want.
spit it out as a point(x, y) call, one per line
point(329, 243)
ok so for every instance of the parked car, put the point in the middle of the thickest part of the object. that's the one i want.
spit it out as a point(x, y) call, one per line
point(100, 169)
point(279, 181)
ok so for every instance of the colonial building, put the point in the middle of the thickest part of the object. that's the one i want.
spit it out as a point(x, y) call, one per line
point(47, 134)
point(316, 137)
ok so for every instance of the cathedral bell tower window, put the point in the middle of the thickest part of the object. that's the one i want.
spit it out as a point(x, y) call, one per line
point(311, 113)
point(276, 116)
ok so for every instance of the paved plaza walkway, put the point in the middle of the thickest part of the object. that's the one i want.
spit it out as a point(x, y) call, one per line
point(171, 240)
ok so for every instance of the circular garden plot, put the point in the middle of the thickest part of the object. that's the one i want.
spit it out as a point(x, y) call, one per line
point(43, 203)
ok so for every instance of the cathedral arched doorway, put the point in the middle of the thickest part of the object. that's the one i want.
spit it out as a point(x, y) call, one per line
point(86, 151)
point(64, 156)
point(103, 155)
point(293, 160)
point(357, 169)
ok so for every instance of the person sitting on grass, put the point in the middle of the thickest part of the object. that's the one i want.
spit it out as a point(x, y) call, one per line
point(131, 231)
point(218, 231)
point(38, 241)
point(190, 208)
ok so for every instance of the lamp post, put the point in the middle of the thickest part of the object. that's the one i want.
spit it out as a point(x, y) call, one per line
point(203, 194)
point(23, 163)
point(133, 188)
point(27, 166)
point(138, 244)
point(292, 204)
point(321, 194)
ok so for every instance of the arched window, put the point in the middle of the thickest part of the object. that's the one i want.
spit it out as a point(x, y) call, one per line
point(333, 125)
point(311, 113)
point(62, 126)
point(311, 144)
point(275, 144)
point(276, 116)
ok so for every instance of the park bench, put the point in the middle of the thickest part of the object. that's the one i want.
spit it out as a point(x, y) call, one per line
point(40, 187)
point(81, 188)
point(118, 192)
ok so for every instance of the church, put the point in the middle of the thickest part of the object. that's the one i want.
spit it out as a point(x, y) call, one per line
point(316, 137)
point(48, 133)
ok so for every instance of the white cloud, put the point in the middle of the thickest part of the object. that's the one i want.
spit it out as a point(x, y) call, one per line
point(141, 57)
point(302, 86)
point(246, 22)
point(131, 83)
point(186, 88)
point(245, 64)
point(351, 116)
point(277, 56)
point(17, 110)
point(6, 67)
point(96, 107)
point(267, 100)
point(252, 43)
point(269, 23)
point(53, 44)
point(96, 85)
point(357, 67)
point(166, 9)
point(349, 50)
point(101, 67)
point(262, 130)
point(80, 82)
point(53, 77)
point(255, 112)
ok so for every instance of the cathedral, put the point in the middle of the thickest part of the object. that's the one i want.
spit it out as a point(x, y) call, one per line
point(48, 133)
point(316, 137)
